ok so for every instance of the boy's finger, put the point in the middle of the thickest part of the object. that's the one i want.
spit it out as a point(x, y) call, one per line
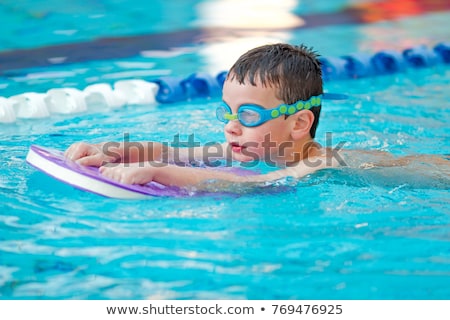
point(95, 160)
point(77, 151)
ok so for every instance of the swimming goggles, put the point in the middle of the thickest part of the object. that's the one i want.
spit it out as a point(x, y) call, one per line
point(253, 115)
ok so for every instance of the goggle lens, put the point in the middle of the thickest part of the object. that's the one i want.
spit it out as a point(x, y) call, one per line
point(249, 117)
point(221, 111)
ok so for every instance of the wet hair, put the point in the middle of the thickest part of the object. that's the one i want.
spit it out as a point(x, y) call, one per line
point(294, 70)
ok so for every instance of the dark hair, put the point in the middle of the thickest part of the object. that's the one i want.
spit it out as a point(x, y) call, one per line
point(294, 70)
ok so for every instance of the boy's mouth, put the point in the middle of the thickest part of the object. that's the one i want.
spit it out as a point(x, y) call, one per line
point(235, 147)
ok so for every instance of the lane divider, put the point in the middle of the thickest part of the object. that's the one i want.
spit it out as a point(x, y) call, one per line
point(33, 105)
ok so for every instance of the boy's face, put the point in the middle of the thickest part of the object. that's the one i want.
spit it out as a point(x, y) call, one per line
point(261, 142)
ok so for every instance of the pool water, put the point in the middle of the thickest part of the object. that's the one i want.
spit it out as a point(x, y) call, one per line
point(336, 234)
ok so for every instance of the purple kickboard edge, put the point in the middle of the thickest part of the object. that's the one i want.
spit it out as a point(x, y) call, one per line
point(151, 189)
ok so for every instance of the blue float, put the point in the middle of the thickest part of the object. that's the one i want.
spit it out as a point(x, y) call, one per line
point(358, 65)
point(170, 90)
point(443, 50)
point(420, 57)
point(388, 61)
point(201, 85)
point(333, 68)
point(221, 77)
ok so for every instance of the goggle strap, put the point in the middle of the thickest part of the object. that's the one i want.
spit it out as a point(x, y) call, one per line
point(289, 109)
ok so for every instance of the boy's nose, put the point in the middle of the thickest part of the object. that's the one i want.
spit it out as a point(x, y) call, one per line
point(233, 127)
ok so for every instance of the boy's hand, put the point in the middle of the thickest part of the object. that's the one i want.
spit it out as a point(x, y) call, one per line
point(88, 154)
point(129, 173)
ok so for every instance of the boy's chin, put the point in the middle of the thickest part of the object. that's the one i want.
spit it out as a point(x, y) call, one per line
point(244, 158)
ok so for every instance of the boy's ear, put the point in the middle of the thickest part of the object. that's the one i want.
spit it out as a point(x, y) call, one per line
point(303, 123)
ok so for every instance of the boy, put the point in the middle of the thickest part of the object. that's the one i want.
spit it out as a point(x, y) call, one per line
point(271, 107)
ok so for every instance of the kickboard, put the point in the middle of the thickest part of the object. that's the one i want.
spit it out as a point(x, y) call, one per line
point(55, 164)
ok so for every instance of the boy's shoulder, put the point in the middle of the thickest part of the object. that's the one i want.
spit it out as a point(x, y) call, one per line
point(318, 159)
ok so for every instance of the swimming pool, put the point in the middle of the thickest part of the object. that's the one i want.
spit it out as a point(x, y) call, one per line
point(338, 234)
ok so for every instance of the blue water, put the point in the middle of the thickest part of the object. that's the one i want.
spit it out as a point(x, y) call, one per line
point(337, 234)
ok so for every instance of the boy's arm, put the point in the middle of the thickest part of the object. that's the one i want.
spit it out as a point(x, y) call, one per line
point(366, 159)
point(204, 179)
